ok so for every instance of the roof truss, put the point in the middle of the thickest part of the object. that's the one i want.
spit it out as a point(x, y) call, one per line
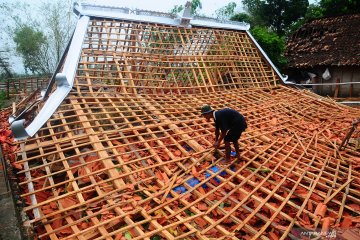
point(127, 153)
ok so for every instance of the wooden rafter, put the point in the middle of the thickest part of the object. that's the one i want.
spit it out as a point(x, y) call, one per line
point(127, 152)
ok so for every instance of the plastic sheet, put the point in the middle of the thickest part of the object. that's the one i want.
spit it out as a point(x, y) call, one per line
point(194, 181)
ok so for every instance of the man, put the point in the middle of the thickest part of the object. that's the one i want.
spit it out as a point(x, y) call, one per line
point(229, 125)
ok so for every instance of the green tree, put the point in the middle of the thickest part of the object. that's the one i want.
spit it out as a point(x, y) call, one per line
point(242, 17)
point(278, 15)
point(5, 69)
point(339, 7)
point(272, 44)
point(254, 10)
point(252, 6)
point(314, 11)
point(176, 9)
point(31, 45)
point(58, 25)
point(195, 5)
point(4, 102)
point(50, 28)
point(226, 12)
point(327, 8)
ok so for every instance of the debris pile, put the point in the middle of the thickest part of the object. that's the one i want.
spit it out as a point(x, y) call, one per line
point(6, 140)
point(127, 155)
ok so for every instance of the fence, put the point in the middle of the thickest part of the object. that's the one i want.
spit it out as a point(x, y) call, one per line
point(21, 86)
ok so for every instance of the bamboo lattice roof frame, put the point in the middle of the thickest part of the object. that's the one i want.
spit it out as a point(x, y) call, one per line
point(127, 154)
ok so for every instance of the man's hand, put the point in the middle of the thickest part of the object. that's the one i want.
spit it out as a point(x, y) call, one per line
point(216, 144)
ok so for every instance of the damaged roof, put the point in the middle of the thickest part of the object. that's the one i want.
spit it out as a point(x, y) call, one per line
point(126, 155)
point(331, 41)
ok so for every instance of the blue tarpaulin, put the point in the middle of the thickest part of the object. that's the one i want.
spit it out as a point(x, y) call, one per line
point(194, 181)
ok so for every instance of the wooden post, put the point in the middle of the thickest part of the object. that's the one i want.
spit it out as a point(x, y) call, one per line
point(337, 88)
point(8, 88)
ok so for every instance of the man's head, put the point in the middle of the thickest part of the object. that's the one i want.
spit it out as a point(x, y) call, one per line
point(206, 111)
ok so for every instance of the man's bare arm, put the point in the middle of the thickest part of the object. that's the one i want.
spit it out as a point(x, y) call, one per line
point(217, 142)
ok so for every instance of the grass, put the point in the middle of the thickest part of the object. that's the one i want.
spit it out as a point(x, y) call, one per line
point(4, 102)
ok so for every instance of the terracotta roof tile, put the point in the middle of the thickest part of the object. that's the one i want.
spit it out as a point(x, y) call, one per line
point(324, 42)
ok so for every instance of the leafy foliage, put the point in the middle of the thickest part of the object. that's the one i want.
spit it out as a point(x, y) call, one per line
point(278, 15)
point(312, 12)
point(176, 9)
point(226, 12)
point(272, 44)
point(5, 69)
point(195, 5)
point(327, 8)
point(271, 21)
point(40, 34)
point(30, 45)
point(3, 100)
point(252, 7)
point(59, 25)
point(331, 8)
point(242, 17)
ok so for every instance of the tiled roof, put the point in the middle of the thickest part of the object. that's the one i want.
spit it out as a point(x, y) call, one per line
point(326, 42)
point(126, 154)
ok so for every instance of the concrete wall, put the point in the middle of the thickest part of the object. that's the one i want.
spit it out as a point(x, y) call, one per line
point(341, 74)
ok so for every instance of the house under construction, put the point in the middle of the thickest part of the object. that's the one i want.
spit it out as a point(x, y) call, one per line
point(115, 147)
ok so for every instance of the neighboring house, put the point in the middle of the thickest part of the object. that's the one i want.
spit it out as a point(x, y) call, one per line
point(328, 46)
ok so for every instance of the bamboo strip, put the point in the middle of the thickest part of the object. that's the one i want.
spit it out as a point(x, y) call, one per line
point(337, 191)
point(138, 87)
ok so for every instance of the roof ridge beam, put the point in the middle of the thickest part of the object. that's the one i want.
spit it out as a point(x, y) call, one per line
point(139, 15)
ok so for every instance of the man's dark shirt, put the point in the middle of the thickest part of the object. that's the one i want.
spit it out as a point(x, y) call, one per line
point(227, 118)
